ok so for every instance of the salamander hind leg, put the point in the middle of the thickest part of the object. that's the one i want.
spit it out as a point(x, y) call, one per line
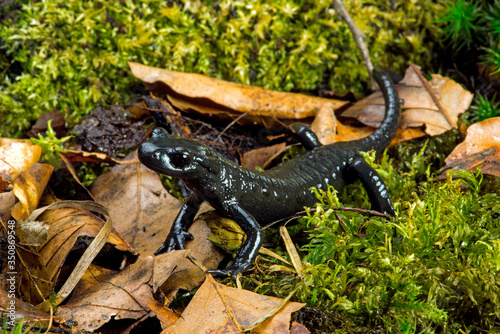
point(249, 249)
point(305, 136)
point(374, 185)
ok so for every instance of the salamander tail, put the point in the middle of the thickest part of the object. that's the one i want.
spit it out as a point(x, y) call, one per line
point(381, 138)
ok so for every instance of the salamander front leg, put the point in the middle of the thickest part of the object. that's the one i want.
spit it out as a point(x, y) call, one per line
point(179, 232)
point(305, 136)
point(249, 249)
point(375, 187)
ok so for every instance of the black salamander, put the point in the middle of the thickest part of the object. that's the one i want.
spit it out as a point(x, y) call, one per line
point(255, 198)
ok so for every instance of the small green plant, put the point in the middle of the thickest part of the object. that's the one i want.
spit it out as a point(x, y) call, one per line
point(492, 56)
point(51, 145)
point(73, 56)
point(474, 26)
point(484, 108)
point(17, 329)
point(435, 267)
point(462, 22)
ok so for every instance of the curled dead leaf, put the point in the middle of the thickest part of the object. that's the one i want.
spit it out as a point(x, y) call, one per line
point(481, 148)
point(207, 95)
point(122, 296)
point(419, 105)
point(219, 308)
point(16, 156)
point(28, 188)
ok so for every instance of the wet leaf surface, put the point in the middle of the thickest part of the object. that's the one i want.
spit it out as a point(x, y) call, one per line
point(109, 130)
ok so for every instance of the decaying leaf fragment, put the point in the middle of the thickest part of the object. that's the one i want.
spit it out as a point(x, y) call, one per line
point(16, 155)
point(121, 295)
point(29, 187)
point(419, 105)
point(217, 308)
point(206, 95)
point(481, 148)
point(67, 220)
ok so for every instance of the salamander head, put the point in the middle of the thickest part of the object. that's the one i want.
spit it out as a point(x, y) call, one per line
point(177, 157)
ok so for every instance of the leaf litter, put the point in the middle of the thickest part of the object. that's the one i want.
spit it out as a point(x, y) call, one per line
point(143, 211)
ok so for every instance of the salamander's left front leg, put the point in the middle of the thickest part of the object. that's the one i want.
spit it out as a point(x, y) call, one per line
point(249, 249)
point(375, 187)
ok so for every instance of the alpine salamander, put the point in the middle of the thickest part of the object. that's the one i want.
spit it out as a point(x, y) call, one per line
point(253, 198)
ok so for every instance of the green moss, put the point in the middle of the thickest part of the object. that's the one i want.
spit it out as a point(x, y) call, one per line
point(433, 268)
point(72, 56)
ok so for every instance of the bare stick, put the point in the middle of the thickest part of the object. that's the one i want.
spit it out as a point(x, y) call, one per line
point(359, 37)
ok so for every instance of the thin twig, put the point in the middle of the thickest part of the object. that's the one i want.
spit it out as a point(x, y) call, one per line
point(433, 96)
point(359, 37)
point(342, 208)
point(230, 125)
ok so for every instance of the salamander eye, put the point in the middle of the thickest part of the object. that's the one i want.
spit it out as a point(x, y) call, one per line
point(180, 159)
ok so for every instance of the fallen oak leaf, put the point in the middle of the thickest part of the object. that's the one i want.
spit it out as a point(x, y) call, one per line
point(216, 308)
point(79, 156)
point(102, 294)
point(229, 96)
point(481, 147)
point(41, 265)
point(329, 130)
point(123, 296)
point(419, 104)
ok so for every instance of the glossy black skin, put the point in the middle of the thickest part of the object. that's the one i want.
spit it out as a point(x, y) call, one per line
point(255, 198)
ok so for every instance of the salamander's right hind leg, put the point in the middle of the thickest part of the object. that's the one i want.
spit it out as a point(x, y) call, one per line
point(305, 136)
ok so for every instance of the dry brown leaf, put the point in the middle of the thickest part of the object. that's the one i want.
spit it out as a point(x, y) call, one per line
point(298, 328)
point(215, 96)
point(104, 289)
point(419, 105)
point(35, 282)
point(7, 201)
point(41, 125)
point(28, 188)
point(481, 148)
point(16, 156)
point(123, 296)
point(16, 309)
point(218, 308)
point(325, 126)
point(259, 156)
point(41, 266)
point(78, 156)
point(66, 226)
point(143, 212)
point(329, 130)
point(166, 316)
